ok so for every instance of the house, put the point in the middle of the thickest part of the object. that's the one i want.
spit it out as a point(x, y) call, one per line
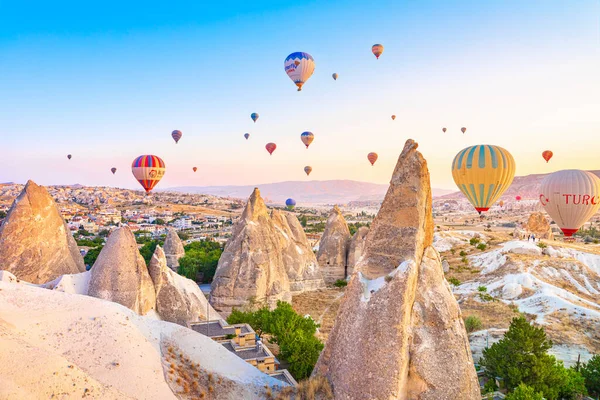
point(284, 376)
point(220, 331)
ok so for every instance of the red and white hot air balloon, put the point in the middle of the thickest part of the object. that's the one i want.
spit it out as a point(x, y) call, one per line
point(372, 157)
point(148, 170)
point(271, 147)
point(571, 197)
point(547, 155)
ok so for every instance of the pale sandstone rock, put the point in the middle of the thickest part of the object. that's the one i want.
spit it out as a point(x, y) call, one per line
point(538, 225)
point(178, 299)
point(120, 274)
point(173, 249)
point(333, 247)
point(251, 266)
point(356, 248)
point(35, 243)
point(399, 333)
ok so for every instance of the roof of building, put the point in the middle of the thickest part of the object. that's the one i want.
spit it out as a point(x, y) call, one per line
point(219, 328)
point(249, 352)
point(284, 376)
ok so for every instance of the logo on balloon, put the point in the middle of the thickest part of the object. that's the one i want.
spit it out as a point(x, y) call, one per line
point(296, 63)
point(544, 199)
point(153, 173)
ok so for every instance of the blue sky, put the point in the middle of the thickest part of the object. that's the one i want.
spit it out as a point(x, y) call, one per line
point(110, 81)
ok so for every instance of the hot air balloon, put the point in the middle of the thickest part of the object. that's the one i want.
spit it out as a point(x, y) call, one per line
point(463, 129)
point(393, 117)
point(113, 170)
point(571, 197)
point(307, 138)
point(547, 155)
point(271, 147)
point(501, 203)
point(290, 204)
point(299, 66)
point(176, 135)
point(335, 76)
point(372, 157)
point(254, 116)
point(308, 170)
point(518, 198)
point(377, 49)
point(246, 135)
point(483, 173)
point(69, 156)
point(195, 169)
point(148, 170)
point(444, 130)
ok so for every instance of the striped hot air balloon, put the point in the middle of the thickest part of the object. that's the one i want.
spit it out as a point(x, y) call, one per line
point(299, 66)
point(290, 204)
point(148, 170)
point(270, 147)
point(571, 197)
point(377, 50)
point(483, 173)
point(176, 135)
point(307, 138)
point(308, 170)
point(372, 157)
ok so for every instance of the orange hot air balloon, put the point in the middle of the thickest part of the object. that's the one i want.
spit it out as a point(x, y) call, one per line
point(501, 203)
point(307, 138)
point(518, 198)
point(377, 50)
point(148, 170)
point(444, 130)
point(113, 170)
point(393, 117)
point(308, 170)
point(463, 129)
point(195, 169)
point(372, 157)
point(271, 147)
point(547, 155)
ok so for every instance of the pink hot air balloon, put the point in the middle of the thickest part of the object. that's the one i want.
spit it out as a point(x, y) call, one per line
point(518, 198)
point(271, 147)
point(571, 197)
point(372, 157)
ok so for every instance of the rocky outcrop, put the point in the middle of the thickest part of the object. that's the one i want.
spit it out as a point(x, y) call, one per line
point(333, 247)
point(173, 249)
point(35, 243)
point(539, 226)
point(356, 248)
point(298, 258)
point(120, 274)
point(399, 333)
point(251, 266)
point(178, 299)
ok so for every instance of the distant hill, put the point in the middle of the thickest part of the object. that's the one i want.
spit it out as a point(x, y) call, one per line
point(311, 192)
point(528, 187)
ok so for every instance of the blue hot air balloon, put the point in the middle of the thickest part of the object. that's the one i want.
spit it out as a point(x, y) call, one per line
point(246, 135)
point(290, 204)
point(299, 66)
point(254, 116)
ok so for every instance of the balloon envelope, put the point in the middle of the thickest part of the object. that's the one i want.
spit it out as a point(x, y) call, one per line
point(176, 135)
point(377, 50)
point(254, 116)
point(463, 129)
point(308, 170)
point(335, 76)
point(246, 135)
point(393, 117)
point(271, 147)
point(518, 198)
point(444, 130)
point(571, 197)
point(307, 138)
point(148, 170)
point(299, 66)
point(372, 157)
point(290, 204)
point(483, 173)
point(547, 155)
point(113, 170)
point(195, 169)
point(69, 156)
point(501, 203)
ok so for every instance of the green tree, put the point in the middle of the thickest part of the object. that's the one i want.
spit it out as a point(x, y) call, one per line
point(303, 221)
point(521, 357)
point(2, 214)
point(591, 373)
point(201, 257)
point(524, 392)
point(159, 221)
point(574, 385)
point(148, 248)
point(103, 233)
point(473, 323)
point(183, 235)
point(92, 255)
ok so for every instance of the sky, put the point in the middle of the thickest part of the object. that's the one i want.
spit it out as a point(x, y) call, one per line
point(109, 81)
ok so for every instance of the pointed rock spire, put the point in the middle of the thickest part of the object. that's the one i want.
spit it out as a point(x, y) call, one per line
point(173, 249)
point(333, 247)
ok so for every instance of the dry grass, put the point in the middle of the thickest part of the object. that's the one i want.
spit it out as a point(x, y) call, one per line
point(315, 388)
point(493, 314)
point(322, 306)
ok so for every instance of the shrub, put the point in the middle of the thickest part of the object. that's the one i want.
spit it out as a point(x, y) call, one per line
point(482, 246)
point(465, 260)
point(542, 245)
point(340, 283)
point(486, 297)
point(591, 374)
point(462, 253)
point(453, 250)
point(473, 323)
point(524, 392)
point(388, 278)
point(474, 241)
point(482, 289)
point(454, 281)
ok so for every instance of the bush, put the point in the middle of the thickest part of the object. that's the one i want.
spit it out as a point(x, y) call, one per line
point(482, 246)
point(340, 283)
point(473, 323)
point(486, 297)
point(388, 278)
point(474, 241)
point(92, 255)
point(454, 281)
point(542, 245)
point(591, 373)
point(453, 251)
point(482, 289)
point(462, 253)
point(200, 261)
point(465, 260)
point(524, 392)
point(148, 248)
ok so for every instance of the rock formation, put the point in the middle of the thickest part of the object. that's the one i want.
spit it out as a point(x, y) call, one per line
point(120, 274)
point(399, 333)
point(333, 247)
point(355, 250)
point(298, 258)
point(35, 243)
point(539, 226)
point(178, 299)
point(173, 249)
point(251, 266)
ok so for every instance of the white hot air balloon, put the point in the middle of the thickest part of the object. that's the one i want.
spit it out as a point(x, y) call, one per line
point(299, 66)
point(571, 197)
